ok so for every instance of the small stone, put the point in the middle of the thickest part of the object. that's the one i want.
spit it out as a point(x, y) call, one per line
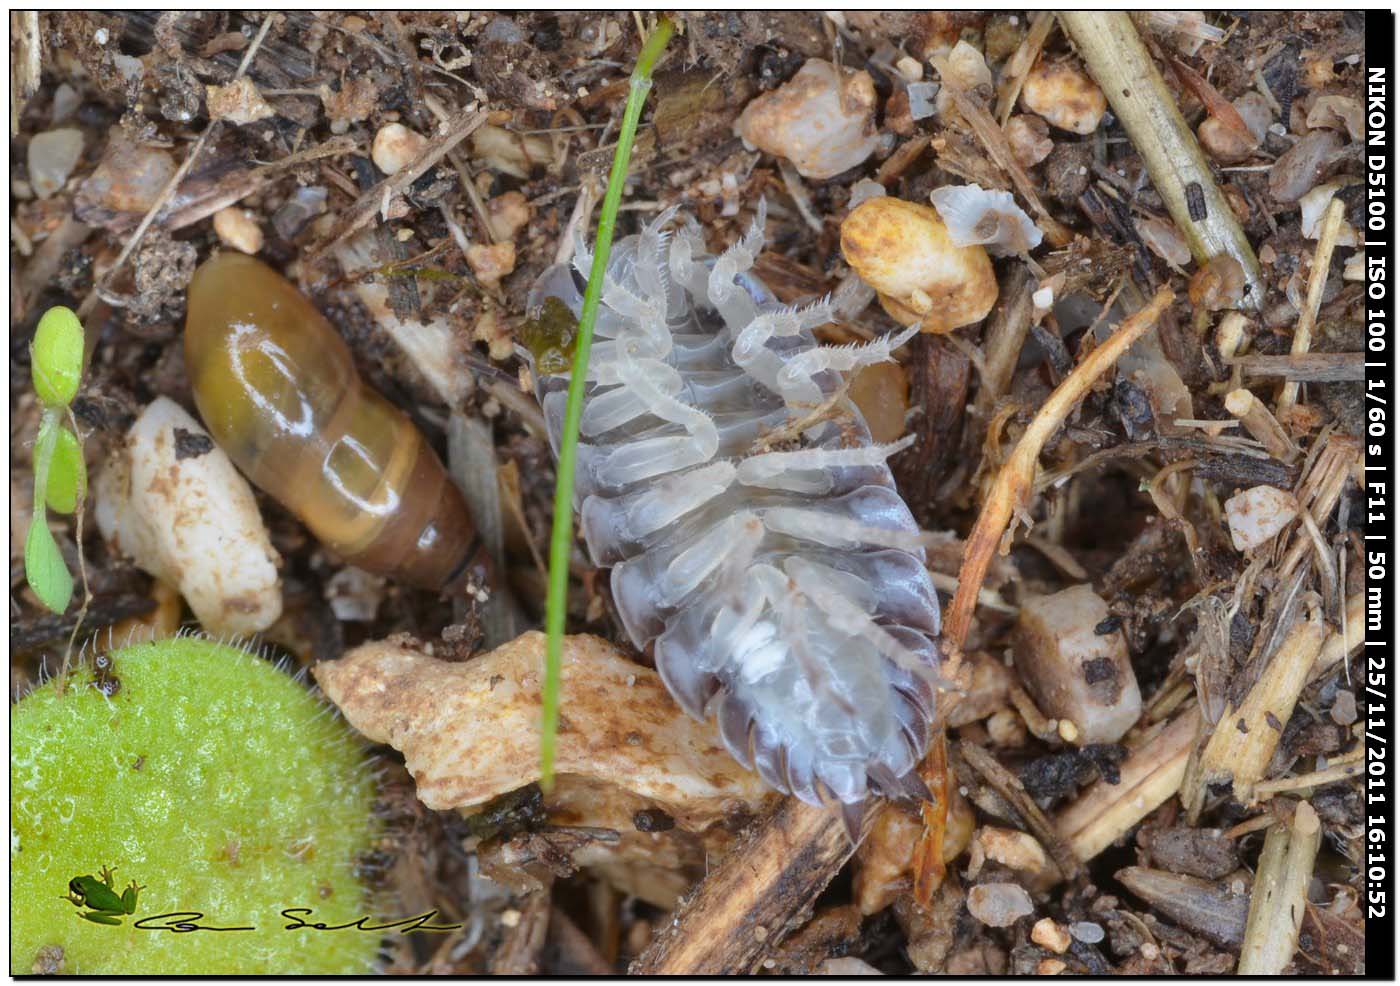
point(905, 252)
point(305, 204)
point(1165, 240)
point(847, 965)
point(354, 595)
point(1074, 673)
point(509, 213)
point(239, 229)
point(1048, 934)
point(396, 147)
point(238, 103)
point(52, 156)
point(129, 178)
point(1344, 708)
point(1005, 728)
point(1064, 96)
point(911, 68)
point(1018, 850)
point(491, 262)
point(999, 905)
point(1087, 931)
point(1050, 967)
point(1257, 514)
point(490, 330)
point(822, 120)
point(1029, 137)
point(881, 391)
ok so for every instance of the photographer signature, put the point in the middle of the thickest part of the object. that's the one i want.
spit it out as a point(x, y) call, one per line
point(184, 922)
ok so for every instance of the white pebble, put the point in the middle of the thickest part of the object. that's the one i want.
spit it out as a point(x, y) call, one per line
point(396, 147)
point(191, 521)
point(847, 965)
point(237, 228)
point(999, 905)
point(822, 120)
point(1257, 514)
point(52, 156)
point(1087, 931)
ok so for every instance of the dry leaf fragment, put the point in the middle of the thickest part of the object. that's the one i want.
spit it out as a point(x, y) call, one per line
point(470, 731)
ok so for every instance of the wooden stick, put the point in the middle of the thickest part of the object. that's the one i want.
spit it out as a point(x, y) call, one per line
point(1280, 894)
point(763, 888)
point(1305, 367)
point(1013, 482)
point(1151, 774)
point(1119, 62)
point(1245, 738)
point(1317, 280)
point(1260, 422)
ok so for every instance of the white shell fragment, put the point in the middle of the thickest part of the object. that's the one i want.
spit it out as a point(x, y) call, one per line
point(1313, 207)
point(976, 216)
point(172, 501)
point(822, 120)
point(1075, 665)
point(1257, 514)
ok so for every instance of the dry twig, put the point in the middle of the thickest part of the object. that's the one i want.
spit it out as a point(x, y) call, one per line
point(762, 889)
point(1014, 482)
point(1120, 64)
point(1280, 894)
point(1317, 280)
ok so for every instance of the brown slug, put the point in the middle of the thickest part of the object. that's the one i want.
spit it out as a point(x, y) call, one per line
point(278, 390)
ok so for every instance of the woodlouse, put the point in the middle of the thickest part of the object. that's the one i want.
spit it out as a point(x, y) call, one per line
point(759, 550)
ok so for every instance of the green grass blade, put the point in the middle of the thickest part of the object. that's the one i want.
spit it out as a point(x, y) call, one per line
point(562, 535)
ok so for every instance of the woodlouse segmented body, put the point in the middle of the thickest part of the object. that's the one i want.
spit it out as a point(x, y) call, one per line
point(768, 566)
point(279, 392)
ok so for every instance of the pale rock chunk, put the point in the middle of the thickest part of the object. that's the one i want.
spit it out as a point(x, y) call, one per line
point(172, 501)
point(1074, 671)
point(1257, 514)
point(52, 156)
point(822, 120)
point(999, 905)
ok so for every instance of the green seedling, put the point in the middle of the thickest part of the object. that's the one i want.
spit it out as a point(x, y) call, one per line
point(562, 535)
point(60, 477)
point(218, 779)
point(101, 896)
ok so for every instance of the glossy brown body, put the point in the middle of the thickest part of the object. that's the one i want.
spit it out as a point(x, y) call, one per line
point(278, 390)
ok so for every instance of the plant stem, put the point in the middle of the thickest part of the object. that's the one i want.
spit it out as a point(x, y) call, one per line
point(562, 536)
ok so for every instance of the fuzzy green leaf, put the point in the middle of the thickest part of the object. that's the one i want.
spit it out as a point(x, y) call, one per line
point(44, 567)
point(67, 474)
point(57, 355)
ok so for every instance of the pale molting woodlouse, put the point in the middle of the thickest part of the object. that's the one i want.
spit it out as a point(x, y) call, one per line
point(759, 550)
